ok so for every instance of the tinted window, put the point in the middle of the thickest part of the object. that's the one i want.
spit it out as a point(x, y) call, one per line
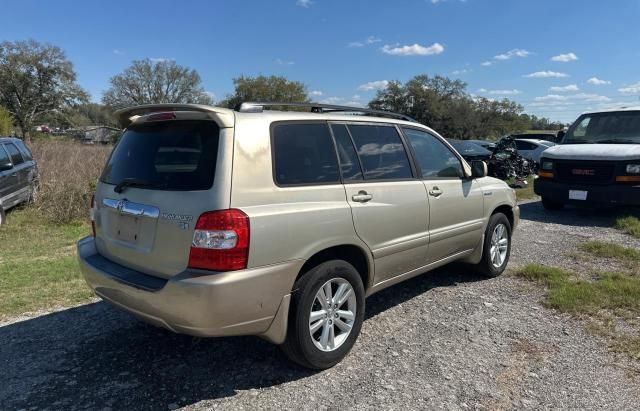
point(381, 152)
point(349, 163)
point(611, 127)
point(434, 158)
point(177, 155)
point(26, 153)
point(525, 145)
point(16, 157)
point(304, 154)
point(4, 157)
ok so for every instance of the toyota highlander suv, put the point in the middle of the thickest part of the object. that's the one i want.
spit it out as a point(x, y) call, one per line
point(216, 222)
point(597, 162)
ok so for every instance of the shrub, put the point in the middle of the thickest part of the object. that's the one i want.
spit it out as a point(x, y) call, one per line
point(67, 176)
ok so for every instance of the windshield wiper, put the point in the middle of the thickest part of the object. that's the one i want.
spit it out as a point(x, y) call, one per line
point(617, 141)
point(133, 182)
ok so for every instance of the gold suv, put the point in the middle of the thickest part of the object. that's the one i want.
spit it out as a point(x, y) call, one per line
point(216, 222)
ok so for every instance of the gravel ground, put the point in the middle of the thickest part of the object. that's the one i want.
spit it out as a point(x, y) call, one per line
point(447, 339)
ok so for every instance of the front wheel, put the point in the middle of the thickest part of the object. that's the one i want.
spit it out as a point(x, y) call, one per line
point(497, 246)
point(326, 314)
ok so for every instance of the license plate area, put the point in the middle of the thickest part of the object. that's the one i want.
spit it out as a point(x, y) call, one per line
point(578, 195)
point(128, 229)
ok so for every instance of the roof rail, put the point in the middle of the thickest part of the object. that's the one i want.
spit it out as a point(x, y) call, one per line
point(258, 107)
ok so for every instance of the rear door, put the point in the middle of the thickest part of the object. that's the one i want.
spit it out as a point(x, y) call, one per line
point(8, 180)
point(21, 187)
point(389, 204)
point(161, 176)
point(456, 203)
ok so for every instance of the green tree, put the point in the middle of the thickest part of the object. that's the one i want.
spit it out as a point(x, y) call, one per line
point(263, 88)
point(445, 105)
point(149, 82)
point(36, 79)
point(6, 123)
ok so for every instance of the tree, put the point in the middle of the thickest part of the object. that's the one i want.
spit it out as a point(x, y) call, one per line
point(262, 88)
point(148, 82)
point(445, 105)
point(36, 79)
point(6, 123)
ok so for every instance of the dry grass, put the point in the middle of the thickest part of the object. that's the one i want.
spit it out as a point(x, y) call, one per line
point(68, 172)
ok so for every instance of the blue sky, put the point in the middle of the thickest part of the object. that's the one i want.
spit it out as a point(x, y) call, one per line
point(557, 58)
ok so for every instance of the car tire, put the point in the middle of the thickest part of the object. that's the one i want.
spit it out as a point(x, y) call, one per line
point(306, 336)
point(496, 251)
point(551, 205)
point(3, 216)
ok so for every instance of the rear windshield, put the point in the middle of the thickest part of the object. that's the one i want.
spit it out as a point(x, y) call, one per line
point(175, 155)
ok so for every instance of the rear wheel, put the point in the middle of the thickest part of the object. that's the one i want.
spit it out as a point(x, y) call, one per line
point(326, 314)
point(497, 246)
point(2, 216)
point(551, 205)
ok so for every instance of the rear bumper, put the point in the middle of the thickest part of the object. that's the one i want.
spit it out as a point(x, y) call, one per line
point(613, 194)
point(245, 302)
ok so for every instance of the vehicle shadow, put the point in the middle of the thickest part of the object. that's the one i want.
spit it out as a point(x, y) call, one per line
point(95, 356)
point(575, 216)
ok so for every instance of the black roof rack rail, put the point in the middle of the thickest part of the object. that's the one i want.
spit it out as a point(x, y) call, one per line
point(258, 107)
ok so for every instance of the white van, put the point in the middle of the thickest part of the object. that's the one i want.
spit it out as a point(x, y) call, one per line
point(596, 163)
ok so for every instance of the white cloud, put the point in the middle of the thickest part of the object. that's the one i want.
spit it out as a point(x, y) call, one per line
point(285, 62)
point(355, 97)
point(565, 89)
point(598, 82)
point(565, 58)
point(374, 85)
point(512, 53)
point(460, 72)
point(160, 59)
point(316, 93)
point(118, 52)
point(630, 89)
point(511, 92)
point(486, 63)
point(368, 41)
point(546, 74)
point(211, 95)
point(413, 50)
point(579, 96)
point(354, 103)
point(332, 100)
point(304, 3)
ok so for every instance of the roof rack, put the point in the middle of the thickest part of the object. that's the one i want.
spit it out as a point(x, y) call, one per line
point(258, 107)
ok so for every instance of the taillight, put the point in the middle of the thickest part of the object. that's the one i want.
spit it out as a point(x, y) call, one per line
point(92, 214)
point(220, 241)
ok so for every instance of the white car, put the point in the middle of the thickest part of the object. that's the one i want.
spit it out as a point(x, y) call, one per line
point(532, 149)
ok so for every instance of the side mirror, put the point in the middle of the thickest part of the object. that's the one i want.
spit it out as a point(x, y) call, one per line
point(5, 166)
point(478, 169)
point(560, 136)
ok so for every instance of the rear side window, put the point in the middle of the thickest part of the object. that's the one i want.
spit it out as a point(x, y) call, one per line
point(16, 157)
point(525, 145)
point(26, 153)
point(175, 156)
point(304, 153)
point(4, 157)
point(381, 152)
point(349, 163)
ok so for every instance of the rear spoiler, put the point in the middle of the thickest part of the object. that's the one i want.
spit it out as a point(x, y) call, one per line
point(223, 116)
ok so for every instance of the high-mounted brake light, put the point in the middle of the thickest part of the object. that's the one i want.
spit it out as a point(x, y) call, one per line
point(220, 241)
point(92, 214)
point(162, 116)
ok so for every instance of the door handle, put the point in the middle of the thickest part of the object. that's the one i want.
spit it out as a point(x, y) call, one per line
point(14, 174)
point(435, 192)
point(361, 197)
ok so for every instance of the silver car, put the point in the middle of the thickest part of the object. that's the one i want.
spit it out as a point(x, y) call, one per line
point(18, 172)
point(217, 222)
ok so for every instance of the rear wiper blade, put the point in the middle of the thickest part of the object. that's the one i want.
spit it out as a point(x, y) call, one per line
point(132, 182)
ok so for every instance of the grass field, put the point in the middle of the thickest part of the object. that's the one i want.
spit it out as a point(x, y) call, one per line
point(38, 266)
point(607, 299)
